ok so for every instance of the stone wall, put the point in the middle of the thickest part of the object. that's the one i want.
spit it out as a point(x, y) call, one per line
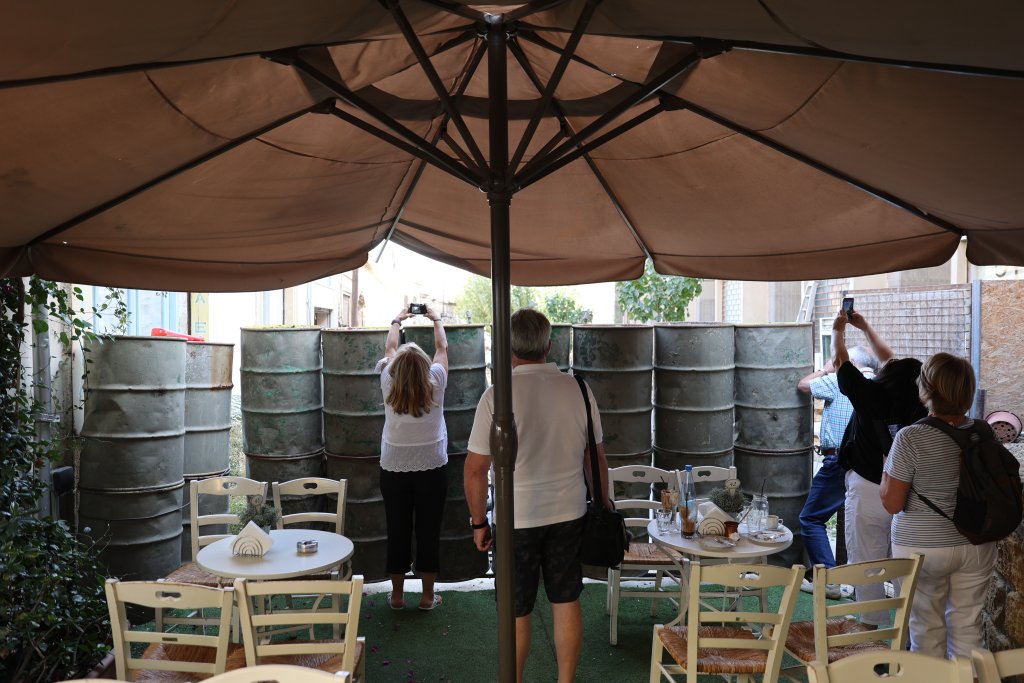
point(1004, 605)
point(1001, 374)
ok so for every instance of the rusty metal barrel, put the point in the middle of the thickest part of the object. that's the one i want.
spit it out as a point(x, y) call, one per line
point(353, 424)
point(617, 363)
point(133, 449)
point(694, 364)
point(467, 380)
point(774, 421)
point(207, 408)
point(282, 404)
point(561, 344)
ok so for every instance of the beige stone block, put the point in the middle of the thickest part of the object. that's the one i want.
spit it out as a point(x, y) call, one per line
point(1010, 561)
point(1015, 617)
point(1002, 345)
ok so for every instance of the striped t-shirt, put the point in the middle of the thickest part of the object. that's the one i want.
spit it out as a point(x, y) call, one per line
point(930, 461)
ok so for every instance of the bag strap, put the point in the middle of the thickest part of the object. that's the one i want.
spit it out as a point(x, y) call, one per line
point(962, 439)
point(592, 445)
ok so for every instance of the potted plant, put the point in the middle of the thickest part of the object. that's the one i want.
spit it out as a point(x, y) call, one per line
point(258, 510)
point(729, 499)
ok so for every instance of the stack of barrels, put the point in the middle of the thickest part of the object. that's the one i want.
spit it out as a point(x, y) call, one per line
point(775, 422)
point(282, 407)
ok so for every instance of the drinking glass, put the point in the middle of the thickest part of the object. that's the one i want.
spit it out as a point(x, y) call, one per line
point(758, 516)
point(664, 519)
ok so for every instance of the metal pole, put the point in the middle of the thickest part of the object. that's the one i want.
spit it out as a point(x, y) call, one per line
point(504, 441)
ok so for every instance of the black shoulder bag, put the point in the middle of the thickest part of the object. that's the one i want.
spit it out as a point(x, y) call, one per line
point(605, 540)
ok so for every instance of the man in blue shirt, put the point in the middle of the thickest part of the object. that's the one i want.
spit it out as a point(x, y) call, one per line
point(828, 488)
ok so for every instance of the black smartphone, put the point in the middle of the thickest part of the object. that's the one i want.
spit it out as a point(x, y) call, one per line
point(848, 306)
point(417, 309)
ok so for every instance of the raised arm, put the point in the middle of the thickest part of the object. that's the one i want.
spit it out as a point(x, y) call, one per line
point(879, 346)
point(804, 384)
point(839, 352)
point(394, 333)
point(440, 339)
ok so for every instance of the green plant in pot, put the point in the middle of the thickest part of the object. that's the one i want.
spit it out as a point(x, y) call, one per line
point(729, 499)
point(258, 510)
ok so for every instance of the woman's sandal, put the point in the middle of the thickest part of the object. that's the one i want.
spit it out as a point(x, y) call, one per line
point(434, 603)
point(398, 606)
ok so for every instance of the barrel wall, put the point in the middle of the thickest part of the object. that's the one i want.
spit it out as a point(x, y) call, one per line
point(561, 345)
point(282, 399)
point(207, 408)
point(133, 448)
point(787, 481)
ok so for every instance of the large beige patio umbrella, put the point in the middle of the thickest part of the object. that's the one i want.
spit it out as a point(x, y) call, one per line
point(217, 146)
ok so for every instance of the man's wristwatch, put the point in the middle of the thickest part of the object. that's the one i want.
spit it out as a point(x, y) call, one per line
point(482, 525)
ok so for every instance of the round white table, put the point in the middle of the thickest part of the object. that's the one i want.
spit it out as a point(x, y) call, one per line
point(281, 561)
point(745, 548)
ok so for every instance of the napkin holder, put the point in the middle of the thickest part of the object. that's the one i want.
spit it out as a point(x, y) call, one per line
point(713, 519)
point(251, 541)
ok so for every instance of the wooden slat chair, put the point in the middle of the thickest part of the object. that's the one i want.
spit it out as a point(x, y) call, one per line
point(910, 667)
point(725, 643)
point(335, 521)
point(641, 556)
point(278, 673)
point(834, 633)
point(264, 646)
point(992, 667)
point(190, 572)
point(169, 656)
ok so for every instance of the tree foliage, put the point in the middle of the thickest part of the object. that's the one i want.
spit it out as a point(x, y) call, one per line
point(474, 304)
point(657, 298)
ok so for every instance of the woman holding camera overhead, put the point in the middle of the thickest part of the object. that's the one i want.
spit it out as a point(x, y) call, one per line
point(414, 455)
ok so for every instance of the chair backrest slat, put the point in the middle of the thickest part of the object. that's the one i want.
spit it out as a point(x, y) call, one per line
point(166, 595)
point(312, 486)
point(217, 486)
point(907, 667)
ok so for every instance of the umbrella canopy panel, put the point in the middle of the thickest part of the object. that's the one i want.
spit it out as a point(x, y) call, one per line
point(237, 147)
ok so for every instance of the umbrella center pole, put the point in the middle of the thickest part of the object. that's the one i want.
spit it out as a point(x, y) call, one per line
point(504, 441)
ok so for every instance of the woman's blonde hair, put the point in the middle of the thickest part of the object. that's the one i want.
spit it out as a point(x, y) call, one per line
point(946, 384)
point(412, 390)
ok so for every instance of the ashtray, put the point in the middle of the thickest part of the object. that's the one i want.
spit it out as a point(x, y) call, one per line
point(306, 547)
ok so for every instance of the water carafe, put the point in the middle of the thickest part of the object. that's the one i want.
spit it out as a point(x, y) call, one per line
point(758, 515)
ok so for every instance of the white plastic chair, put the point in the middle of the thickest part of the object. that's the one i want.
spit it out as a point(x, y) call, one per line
point(834, 634)
point(896, 665)
point(279, 673)
point(342, 653)
point(992, 667)
point(725, 643)
point(169, 652)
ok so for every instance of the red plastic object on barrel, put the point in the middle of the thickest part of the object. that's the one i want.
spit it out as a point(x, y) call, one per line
point(161, 332)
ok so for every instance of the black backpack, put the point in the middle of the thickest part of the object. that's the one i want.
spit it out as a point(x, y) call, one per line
point(989, 500)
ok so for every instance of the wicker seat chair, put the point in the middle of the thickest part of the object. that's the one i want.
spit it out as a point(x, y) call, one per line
point(992, 667)
point(334, 521)
point(725, 643)
point(190, 572)
point(834, 633)
point(910, 667)
point(169, 657)
point(262, 629)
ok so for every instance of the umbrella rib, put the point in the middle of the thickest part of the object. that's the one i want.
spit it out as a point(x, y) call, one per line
point(319, 107)
point(548, 92)
point(756, 136)
point(517, 51)
point(471, 67)
point(423, 149)
point(435, 81)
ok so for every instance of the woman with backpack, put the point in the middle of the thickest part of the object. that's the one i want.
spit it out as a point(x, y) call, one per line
point(924, 467)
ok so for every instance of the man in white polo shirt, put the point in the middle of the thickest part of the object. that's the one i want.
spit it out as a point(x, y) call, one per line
point(549, 487)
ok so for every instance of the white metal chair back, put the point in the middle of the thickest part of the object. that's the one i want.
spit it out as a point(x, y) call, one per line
point(734, 627)
point(278, 673)
point(218, 486)
point(703, 474)
point(641, 557)
point(312, 486)
point(892, 665)
point(992, 667)
point(256, 627)
point(165, 595)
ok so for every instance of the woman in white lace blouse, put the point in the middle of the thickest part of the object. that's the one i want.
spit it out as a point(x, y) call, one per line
point(414, 457)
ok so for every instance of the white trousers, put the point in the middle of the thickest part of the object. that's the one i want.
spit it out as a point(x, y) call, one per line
point(945, 619)
point(868, 531)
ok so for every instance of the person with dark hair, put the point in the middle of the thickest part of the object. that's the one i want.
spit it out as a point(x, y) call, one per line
point(828, 487)
point(881, 407)
point(924, 462)
point(414, 457)
point(549, 487)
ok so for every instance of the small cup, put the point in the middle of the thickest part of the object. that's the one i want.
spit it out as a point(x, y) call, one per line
point(772, 522)
point(731, 528)
point(664, 519)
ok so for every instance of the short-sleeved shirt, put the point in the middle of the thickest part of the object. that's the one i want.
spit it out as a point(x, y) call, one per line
point(928, 460)
point(551, 422)
point(837, 411)
point(414, 444)
point(881, 407)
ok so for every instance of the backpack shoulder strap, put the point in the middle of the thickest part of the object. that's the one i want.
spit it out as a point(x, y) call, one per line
point(591, 443)
point(959, 437)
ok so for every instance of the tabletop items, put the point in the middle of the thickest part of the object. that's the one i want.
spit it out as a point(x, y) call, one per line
point(251, 541)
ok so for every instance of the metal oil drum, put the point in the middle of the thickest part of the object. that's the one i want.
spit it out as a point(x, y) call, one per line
point(353, 405)
point(207, 408)
point(561, 345)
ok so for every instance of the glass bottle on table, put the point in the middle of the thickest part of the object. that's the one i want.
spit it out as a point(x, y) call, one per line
point(688, 504)
point(758, 515)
